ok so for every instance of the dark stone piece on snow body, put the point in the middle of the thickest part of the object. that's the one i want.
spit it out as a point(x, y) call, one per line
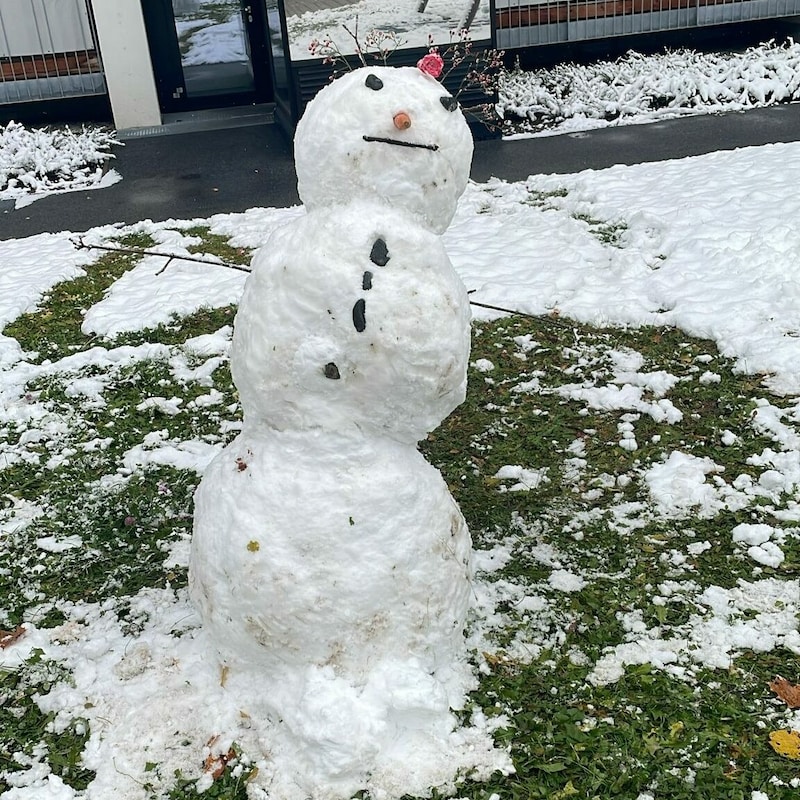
point(332, 371)
point(450, 103)
point(373, 82)
point(359, 315)
point(366, 282)
point(380, 253)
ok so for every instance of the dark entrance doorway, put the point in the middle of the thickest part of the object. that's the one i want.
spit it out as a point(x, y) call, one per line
point(209, 53)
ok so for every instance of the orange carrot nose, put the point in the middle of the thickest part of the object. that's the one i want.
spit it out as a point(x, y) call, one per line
point(402, 121)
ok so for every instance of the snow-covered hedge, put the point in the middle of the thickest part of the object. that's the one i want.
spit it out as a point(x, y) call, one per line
point(651, 87)
point(39, 161)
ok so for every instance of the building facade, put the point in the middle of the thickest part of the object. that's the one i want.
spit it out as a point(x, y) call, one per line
point(137, 62)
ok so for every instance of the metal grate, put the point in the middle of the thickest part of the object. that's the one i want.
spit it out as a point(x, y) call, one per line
point(524, 23)
point(47, 51)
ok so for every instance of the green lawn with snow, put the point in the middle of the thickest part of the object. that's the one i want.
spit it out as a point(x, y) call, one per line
point(632, 497)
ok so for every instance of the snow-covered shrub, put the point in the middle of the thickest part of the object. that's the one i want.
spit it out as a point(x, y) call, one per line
point(649, 87)
point(37, 161)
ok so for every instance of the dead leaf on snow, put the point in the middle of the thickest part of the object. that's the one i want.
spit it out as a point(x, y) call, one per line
point(499, 661)
point(786, 743)
point(215, 764)
point(786, 691)
point(7, 638)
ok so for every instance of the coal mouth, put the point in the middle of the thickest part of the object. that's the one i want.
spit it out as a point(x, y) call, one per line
point(400, 142)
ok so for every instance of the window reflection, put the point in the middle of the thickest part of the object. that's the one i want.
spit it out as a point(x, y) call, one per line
point(412, 20)
point(213, 45)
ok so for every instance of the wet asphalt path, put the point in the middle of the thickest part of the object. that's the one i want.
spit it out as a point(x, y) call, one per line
point(188, 175)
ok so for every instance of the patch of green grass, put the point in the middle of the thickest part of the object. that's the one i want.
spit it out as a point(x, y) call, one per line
point(73, 469)
point(227, 787)
point(218, 245)
point(517, 414)
point(124, 520)
point(179, 329)
point(54, 329)
point(543, 199)
point(645, 733)
point(609, 233)
point(26, 730)
point(121, 535)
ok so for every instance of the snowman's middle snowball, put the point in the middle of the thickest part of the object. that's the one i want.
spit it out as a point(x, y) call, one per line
point(352, 319)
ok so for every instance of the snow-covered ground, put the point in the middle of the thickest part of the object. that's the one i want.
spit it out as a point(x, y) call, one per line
point(708, 244)
point(698, 244)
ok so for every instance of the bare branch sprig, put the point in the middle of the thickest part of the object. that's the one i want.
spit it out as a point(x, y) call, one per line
point(482, 67)
point(377, 46)
point(80, 244)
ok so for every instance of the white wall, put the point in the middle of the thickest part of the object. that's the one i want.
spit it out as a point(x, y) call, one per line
point(34, 27)
point(125, 55)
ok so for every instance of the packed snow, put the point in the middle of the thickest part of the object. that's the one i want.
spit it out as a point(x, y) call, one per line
point(424, 176)
point(706, 244)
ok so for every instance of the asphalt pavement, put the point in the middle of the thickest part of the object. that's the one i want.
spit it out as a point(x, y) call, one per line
point(197, 174)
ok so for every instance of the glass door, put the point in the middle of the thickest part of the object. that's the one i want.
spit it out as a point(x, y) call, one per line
point(208, 53)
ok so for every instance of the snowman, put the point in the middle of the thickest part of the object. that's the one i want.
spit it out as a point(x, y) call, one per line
point(330, 564)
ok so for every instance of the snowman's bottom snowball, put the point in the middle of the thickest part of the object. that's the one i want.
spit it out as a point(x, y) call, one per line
point(314, 548)
point(332, 573)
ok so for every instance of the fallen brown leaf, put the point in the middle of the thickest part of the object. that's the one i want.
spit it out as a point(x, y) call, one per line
point(215, 765)
point(494, 660)
point(786, 691)
point(7, 638)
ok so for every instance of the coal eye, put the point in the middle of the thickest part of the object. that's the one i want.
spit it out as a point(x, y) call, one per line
point(373, 82)
point(450, 103)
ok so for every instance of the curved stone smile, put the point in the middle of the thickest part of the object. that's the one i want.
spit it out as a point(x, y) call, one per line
point(400, 142)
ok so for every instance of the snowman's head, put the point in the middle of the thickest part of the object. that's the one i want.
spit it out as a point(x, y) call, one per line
point(394, 134)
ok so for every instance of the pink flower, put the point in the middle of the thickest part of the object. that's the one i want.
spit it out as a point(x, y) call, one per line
point(432, 64)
